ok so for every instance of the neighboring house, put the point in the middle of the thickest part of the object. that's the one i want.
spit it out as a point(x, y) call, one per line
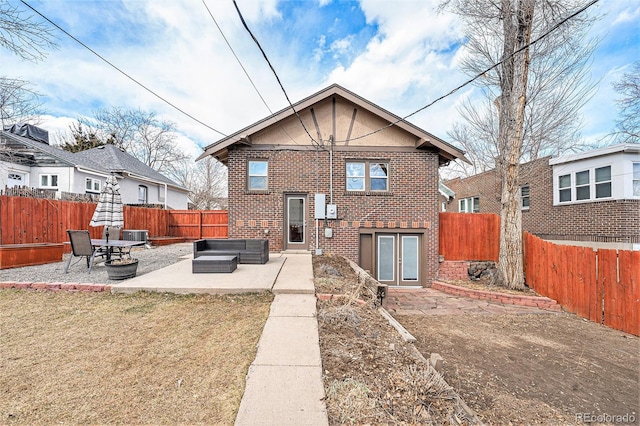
point(27, 159)
point(592, 196)
point(367, 189)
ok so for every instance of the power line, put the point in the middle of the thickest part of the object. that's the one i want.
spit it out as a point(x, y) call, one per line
point(313, 141)
point(466, 83)
point(122, 72)
point(236, 56)
point(244, 69)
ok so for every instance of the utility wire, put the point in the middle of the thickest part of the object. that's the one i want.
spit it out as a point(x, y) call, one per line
point(236, 56)
point(244, 69)
point(122, 72)
point(244, 23)
point(466, 83)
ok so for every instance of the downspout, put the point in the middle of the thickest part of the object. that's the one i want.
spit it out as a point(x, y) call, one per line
point(165, 196)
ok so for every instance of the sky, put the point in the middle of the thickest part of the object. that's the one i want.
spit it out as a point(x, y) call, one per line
point(399, 54)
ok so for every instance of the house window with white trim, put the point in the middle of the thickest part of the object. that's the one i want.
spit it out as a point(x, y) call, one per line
point(92, 185)
point(603, 182)
point(469, 205)
point(258, 175)
point(48, 181)
point(365, 176)
point(636, 179)
point(524, 197)
point(564, 183)
point(143, 194)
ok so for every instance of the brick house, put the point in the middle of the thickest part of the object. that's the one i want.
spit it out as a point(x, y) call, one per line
point(366, 187)
point(593, 196)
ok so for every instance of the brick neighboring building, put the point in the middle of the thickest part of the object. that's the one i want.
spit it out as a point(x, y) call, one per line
point(381, 178)
point(593, 196)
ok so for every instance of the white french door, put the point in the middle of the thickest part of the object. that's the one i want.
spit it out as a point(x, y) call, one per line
point(398, 259)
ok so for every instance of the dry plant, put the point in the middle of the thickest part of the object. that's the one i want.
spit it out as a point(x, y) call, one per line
point(353, 400)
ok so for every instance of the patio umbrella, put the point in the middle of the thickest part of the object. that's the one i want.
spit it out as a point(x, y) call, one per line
point(109, 211)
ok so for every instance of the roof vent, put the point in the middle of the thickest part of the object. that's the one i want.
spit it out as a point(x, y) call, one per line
point(29, 131)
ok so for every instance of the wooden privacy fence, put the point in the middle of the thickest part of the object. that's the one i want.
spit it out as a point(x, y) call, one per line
point(195, 224)
point(25, 220)
point(466, 236)
point(602, 285)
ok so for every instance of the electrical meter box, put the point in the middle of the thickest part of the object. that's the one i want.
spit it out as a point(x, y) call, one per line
point(319, 206)
point(332, 211)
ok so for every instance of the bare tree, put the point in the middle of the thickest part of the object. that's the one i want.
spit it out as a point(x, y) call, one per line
point(141, 134)
point(29, 38)
point(23, 34)
point(19, 102)
point(628, 124)
point(558, 82)
point(207, 183)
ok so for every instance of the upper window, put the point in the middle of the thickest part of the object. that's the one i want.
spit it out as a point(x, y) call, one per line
point(143, 197)
point(469, 205)
point(587, 185)
point(564, 183)
point(524, 197)
point(367, 176)
point(48, 181)
point(258, 175)
point(636, 179)
point(603, 182)
point(92, 185)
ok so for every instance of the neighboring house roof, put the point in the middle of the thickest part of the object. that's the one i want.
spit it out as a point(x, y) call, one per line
point(613, 149)
point(103, 160)
point(424, 138)
point(446, 191)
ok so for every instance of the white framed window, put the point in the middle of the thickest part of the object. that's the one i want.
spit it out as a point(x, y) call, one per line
point(636, 179)
point(603, 182)
point(585, 185)
point(365, 176)
point(258, 175)
point(143, 196)
point(469, 205)
point(92, 185)
point(564, 185)
point(48, 181)
point(525, 200)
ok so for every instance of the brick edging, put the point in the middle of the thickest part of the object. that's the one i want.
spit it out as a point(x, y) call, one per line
point(510, 299)
point(86, 287)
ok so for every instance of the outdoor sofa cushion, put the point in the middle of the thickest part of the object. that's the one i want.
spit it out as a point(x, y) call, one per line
point(247, 251)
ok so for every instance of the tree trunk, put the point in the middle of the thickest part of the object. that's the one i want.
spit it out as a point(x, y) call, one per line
point(517, 34)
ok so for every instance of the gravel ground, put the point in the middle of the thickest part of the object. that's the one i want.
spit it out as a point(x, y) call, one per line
point(149, 260)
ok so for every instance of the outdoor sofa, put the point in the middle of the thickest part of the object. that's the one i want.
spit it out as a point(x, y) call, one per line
point(247, 251)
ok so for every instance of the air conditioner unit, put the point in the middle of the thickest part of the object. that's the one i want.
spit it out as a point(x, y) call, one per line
point(134, 235)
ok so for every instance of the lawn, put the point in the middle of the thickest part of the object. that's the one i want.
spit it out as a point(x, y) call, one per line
point(95, 358)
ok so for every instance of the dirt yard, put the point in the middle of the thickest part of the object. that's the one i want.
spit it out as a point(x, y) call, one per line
point(98, 358)
point(510, 369)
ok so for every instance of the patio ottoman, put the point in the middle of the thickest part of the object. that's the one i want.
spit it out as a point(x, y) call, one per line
point(214, 264)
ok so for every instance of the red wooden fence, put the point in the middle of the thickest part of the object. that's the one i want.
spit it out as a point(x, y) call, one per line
point(196, 224)
point(602, 285)
point(26, 220)
point(467, 236)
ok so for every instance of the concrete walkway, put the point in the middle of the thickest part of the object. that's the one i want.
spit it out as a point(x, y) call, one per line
point(284, 384)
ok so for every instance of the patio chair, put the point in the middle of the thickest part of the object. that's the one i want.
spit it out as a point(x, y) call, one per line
point(81, 247)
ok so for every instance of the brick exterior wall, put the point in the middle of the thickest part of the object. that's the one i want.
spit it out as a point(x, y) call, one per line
point(410, 204)
point(604, 221)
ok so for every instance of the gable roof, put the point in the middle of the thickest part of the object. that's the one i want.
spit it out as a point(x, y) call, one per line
point(104, 159)
point(425, 139)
